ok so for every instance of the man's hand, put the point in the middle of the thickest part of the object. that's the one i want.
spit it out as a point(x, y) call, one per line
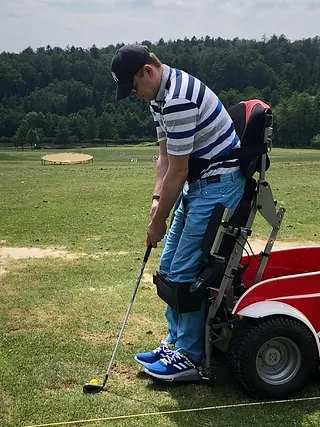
point(155, 232)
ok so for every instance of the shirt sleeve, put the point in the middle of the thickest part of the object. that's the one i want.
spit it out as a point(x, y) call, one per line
point(161, 135)
point(180, 121)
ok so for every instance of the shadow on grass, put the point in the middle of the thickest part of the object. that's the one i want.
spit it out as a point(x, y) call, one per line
point(224, 392)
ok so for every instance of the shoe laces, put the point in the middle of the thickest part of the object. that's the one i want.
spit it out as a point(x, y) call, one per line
point(172, 357)
point(163, 348)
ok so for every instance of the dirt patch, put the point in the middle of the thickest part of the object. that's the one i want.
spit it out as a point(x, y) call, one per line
point(7, 405)
point(17, 314)
point(63, 385)
point(147, 277)
point(8, 253)
point(94, 238)
point(25, 253)
point(37, 315)
point(68, 384)
point(44, 315)
point(123, 372)
point(103, 337)
point(33, 320)
point(14, 331)
point(142, 321)
point(98, 255)
point(17, 266)
point(147, 280)
point(149, 326)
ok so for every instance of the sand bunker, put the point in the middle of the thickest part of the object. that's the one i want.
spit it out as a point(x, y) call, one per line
point(66, 158)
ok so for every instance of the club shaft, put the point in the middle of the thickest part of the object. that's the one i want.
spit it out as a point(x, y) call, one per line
point(127, 314)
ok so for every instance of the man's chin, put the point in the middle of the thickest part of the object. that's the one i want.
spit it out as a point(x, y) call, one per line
point(149, 97)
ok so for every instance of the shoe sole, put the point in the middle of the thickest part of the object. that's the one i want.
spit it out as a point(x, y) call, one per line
point(182, 376)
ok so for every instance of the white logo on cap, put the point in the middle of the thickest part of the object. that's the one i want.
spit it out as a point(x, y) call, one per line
point(115, 78)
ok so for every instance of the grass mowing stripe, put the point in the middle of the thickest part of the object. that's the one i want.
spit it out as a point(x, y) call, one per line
point(179, 411)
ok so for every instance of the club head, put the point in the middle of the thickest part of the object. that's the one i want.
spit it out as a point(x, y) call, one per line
point(92, 388)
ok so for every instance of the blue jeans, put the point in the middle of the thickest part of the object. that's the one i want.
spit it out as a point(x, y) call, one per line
point(180, 258)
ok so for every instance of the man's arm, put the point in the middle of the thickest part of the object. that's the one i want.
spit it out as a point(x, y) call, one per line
point(161, 170)
point(180, 118)
point(162, 167)
point(172, 185)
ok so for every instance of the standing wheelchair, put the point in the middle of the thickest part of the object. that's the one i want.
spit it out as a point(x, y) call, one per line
point(262, 308)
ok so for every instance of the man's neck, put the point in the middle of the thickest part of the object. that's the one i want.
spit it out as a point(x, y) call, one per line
point(162, 84)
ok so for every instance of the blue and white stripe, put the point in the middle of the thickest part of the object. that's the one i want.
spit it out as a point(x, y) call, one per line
point(192, 120)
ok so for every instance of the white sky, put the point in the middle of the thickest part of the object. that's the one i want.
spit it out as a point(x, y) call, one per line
point(83, 23)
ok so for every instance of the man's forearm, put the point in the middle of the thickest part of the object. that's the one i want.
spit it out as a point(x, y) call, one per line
point(161, 170)
point(172, 185)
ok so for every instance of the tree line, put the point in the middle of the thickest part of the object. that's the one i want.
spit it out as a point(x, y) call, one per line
point(54, 95)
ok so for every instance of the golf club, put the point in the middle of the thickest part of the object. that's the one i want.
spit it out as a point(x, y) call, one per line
point(92, 386)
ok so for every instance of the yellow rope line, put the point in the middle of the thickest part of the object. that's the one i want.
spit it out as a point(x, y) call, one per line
point(178, 411)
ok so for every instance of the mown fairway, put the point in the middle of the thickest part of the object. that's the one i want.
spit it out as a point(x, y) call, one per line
point(60, 316)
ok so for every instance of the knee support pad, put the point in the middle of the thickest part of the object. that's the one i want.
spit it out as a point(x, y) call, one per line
point(177, 295)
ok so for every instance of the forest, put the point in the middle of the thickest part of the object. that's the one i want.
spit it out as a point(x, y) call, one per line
point(60, 96)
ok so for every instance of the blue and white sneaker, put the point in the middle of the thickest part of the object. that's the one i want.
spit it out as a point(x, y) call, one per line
point(154, 355)
point(173, 366)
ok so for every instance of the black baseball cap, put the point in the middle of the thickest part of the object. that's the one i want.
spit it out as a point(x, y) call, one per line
point(127, 61)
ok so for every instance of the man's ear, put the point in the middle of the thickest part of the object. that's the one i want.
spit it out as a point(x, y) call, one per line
point(149, 70)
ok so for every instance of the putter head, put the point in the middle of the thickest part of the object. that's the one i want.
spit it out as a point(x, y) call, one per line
point(92, 388)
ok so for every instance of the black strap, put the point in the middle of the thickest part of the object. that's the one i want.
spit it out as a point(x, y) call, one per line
point(196, 165)
point(238, 153)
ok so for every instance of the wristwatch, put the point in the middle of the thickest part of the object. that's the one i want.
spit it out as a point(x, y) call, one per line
point(156, 197)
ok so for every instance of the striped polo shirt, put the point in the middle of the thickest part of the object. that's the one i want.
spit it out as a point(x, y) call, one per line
point(192, 120)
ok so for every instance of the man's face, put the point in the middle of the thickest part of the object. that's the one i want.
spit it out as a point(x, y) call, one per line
point(146, 83)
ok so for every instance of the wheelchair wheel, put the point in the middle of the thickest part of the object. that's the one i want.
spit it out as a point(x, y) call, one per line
point(273, 357)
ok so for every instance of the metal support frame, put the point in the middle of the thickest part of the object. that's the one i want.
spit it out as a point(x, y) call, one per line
point(264, 203)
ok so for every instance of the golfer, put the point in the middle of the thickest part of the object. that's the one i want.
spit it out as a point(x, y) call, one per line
point(194, 130)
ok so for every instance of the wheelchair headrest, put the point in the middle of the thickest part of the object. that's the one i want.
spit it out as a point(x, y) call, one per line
point(251, 118)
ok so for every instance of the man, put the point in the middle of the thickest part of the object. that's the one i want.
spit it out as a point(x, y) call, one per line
point(193, 130)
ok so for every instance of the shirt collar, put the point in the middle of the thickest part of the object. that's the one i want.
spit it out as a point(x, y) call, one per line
point(165, 80)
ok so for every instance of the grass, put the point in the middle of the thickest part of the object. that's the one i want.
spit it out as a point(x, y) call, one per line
point(59, 317)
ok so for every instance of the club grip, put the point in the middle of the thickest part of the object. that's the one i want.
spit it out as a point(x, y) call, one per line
point(146, 256)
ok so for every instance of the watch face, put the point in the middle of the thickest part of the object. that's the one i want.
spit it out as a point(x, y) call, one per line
point(115, 78)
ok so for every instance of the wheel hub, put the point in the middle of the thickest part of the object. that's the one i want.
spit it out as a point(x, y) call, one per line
point(271, 357)
point(278, 360)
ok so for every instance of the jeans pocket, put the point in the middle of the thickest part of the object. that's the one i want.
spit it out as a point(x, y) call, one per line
point(216, 189)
